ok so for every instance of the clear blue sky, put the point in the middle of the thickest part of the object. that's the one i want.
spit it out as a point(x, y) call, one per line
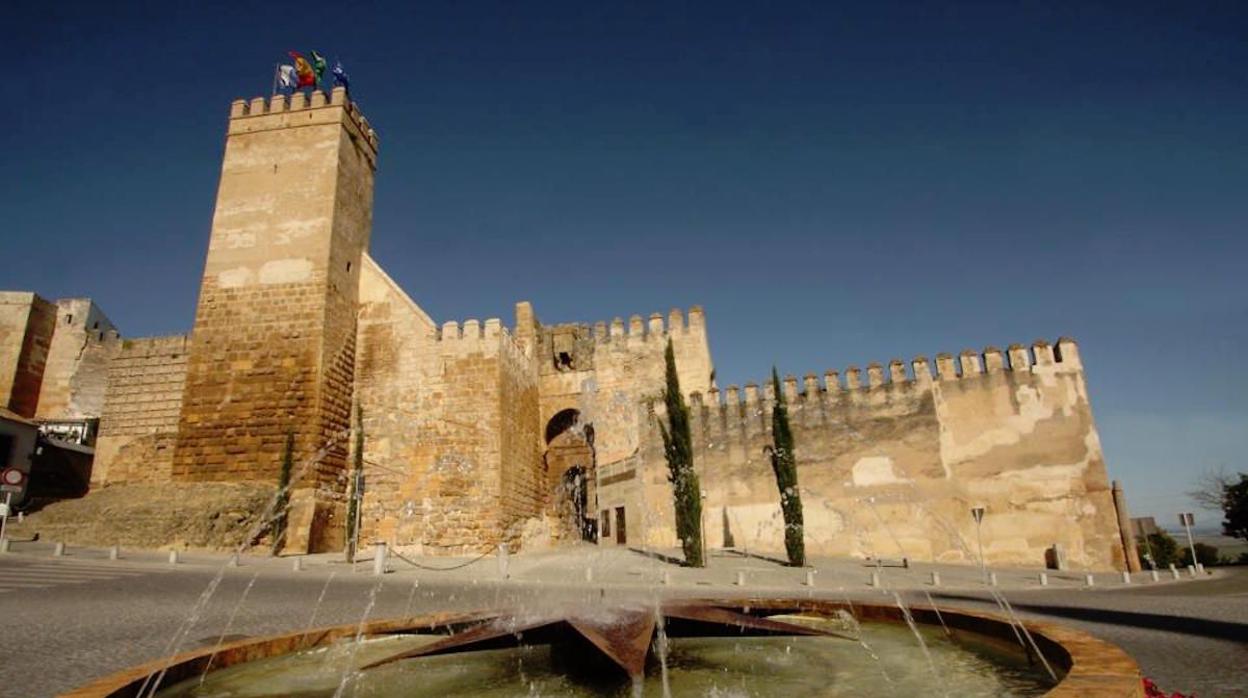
point(836, 184)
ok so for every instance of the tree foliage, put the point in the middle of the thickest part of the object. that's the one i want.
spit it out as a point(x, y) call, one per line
point(1206, 555)
point(282, 510)
point(1164, 549)
point(357, 485)
point(1235, 508)
point(1210, 489)
point(784, 465)
point(678, 448)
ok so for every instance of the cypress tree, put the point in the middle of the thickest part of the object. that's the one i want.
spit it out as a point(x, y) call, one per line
point(282, 511)
point(357, 484)
point(784, 465)
point(678, 448)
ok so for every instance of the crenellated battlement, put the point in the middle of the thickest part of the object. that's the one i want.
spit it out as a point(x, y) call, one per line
point(968, 364)
point(656, 326)
point(299, 109)
point(472, 336)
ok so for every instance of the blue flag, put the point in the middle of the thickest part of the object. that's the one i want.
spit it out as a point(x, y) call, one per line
point(340, 76)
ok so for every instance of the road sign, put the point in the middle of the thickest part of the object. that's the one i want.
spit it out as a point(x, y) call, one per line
point(1187, 520)
point(978, 513)
point(12, 480)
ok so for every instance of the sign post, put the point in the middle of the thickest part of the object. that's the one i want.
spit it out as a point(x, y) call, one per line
point(11, 480)
point(1188, 521)
point(978, 513)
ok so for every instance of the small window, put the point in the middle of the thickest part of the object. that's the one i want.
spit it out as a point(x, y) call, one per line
point(606, 523)
point(96, 326)
point(69, 319)
point(348, 267)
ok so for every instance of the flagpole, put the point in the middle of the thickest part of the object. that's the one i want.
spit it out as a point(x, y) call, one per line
point(275, 69)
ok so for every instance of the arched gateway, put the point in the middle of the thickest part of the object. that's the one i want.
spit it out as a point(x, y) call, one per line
point(571, 495)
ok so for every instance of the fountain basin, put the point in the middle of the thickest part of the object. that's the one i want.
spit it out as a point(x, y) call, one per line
point(1084, 664)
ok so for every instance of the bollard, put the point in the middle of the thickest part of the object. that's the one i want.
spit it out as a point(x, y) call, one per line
point(740, 579)
point(234, 560)
point(297, 563)
point(1174, 572)
point(173, 557)
point(21, 516)
point(4, 545)
point(810, 578)
point(1126, 577)
point(935, 579)
point(1089, 580)
point(875, 579)
point(1153, 574)
point(667, 577)
point(114, 552)
point(589, 574)
point(1044, 579)
point(1200, 568)
point(1191, 571)
point(503, 561)
point(992, 579)
point(379, 559)
point(59, 549)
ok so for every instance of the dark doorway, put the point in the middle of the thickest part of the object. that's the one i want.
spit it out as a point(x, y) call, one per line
point(621, 537)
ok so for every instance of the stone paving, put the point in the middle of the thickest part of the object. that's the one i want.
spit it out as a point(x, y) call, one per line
point(64, 626)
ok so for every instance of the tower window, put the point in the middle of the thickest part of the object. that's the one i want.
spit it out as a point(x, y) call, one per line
point(348, 267)
point(69, 319)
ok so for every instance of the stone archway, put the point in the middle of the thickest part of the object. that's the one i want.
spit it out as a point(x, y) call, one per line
point(571, 492)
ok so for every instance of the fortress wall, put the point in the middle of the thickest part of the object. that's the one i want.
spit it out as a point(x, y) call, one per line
point(76, 376)
point(439, 444)
point(27, 323)
point(622, 367)
point(139, 421)
point(909, 450)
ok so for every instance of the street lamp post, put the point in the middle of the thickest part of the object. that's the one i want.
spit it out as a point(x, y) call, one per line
point(978, 513)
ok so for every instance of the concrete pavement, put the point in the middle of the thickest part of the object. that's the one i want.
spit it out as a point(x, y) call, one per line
point(76, 617)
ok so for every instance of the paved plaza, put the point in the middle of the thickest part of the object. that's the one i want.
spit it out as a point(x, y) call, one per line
point(68, 619)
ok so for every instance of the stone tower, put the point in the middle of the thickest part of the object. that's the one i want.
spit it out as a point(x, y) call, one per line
point(273, 348)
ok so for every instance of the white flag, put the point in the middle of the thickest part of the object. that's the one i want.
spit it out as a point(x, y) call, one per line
point(287, 77)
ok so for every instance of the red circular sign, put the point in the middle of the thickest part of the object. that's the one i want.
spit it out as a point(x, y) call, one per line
point(12, 476)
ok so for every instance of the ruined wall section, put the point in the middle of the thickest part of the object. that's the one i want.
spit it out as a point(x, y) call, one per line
point(911, 450)
point(522, 471)
point(27, 324)
point(274, 336)
point(76, 376)
point(139, 420)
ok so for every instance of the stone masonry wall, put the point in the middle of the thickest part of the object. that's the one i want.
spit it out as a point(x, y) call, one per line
point(76, 376)
point(139, 422)
point(27, 323)
point(274, 336)
point(892, 468)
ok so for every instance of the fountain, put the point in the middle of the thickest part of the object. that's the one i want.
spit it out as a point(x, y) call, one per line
point(754, 646)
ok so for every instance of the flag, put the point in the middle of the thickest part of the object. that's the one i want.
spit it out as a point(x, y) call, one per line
point(340, 76)
point(287, 78)
point(318, 66)
point(307, 78)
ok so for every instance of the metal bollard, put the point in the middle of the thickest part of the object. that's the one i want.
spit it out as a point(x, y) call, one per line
point(740, 579)
point(297, 563)
point(114, 552)
point(1044, 579)
point(935, 579)
point(1174, 571)
point(503, 562)
point(21, 516)
point(992, 579)
point(379, 559)
point(875, 579)
point(173, 557)
point(810, 578)
point(1191, 571)
point(1200, 568)
point(59, 549)
point(1126, 577)
point(1089, 580)
point(1153, 574)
